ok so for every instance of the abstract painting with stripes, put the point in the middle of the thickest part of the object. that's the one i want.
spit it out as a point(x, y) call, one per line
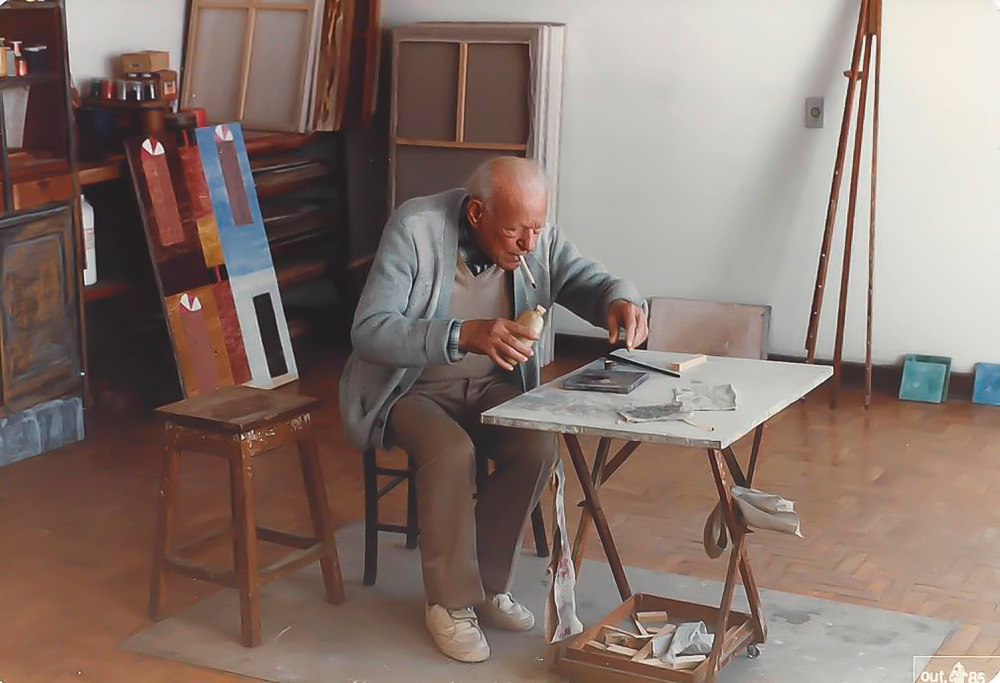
point(210, 252)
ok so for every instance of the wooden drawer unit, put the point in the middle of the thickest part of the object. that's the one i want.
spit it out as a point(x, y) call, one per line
point(39, 308)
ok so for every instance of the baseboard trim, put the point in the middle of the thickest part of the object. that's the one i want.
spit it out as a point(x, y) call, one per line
point(885, 378)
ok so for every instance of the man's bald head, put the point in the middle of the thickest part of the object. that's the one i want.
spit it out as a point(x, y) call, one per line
point(508, 203)
point(507, 178)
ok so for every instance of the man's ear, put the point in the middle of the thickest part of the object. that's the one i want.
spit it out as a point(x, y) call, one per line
point(474, 212)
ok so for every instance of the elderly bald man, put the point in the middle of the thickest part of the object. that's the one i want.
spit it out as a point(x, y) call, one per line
point(435, 346)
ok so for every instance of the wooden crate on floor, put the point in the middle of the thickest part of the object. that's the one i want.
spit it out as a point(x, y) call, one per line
point(579, 662)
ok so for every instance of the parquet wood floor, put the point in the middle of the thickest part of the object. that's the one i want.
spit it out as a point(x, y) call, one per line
point(899, 511)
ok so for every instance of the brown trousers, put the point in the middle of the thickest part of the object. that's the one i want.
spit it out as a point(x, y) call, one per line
point(467, 547)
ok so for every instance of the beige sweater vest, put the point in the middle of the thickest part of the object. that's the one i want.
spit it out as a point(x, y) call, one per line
point(488, 295)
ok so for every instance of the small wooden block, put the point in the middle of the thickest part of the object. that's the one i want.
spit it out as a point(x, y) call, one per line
point(687, 363)
point(660, 617)
point(644, 653)
point(617, 639)
point(622, 650)
point(615, 629)
point(688, 661)
point(640, 627)
point(666, 629)
point(653, 661)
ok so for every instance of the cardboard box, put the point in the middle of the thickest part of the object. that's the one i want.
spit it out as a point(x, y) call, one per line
point(147, 60)
point(167, 87)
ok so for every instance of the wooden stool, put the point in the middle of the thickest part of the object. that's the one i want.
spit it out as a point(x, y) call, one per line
point(374, 492)
point(238, 423)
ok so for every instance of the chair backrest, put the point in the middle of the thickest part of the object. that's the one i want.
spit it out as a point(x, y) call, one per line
point(715, 329)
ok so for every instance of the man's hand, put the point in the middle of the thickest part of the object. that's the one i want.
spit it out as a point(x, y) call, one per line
point(501, 339)
point(626, 315)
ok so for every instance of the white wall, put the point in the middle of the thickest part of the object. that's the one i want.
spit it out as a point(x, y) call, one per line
point(100, 30)
point(686, 165)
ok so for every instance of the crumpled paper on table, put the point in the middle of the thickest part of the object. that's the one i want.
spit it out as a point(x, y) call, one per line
point(663, 412)
point(702, 396)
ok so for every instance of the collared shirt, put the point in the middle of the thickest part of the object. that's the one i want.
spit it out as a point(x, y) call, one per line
point(474, 258)
point(476, 261)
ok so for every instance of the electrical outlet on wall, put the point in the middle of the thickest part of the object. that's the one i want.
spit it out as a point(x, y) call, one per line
point(814, 112)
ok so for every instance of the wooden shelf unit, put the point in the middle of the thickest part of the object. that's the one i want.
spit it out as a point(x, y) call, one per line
point(42, 350)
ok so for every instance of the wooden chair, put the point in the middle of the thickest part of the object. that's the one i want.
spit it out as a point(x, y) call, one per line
point(715, 329)
point(238, 423)
point(374, 492)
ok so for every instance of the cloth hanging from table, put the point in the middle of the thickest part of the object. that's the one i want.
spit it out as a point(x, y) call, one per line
point(759, 510)
point(767, 511)
point(561, 621)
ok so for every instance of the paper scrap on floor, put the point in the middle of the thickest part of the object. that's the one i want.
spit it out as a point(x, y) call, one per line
point(767, 511)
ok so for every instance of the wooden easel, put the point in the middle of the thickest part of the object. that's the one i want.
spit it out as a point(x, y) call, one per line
point(869, 34)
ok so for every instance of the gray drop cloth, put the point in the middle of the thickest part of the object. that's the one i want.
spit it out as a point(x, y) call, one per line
point(378, 635)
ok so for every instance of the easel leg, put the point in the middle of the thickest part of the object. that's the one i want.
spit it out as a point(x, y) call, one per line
point(593, 504)
point(838, 175)
point(875, 22)
point(852, 207)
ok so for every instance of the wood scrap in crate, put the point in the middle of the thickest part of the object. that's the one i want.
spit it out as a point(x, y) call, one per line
point(660, 616)
point(661, 630)
point(646, 647)
point(622, 650)
point(645, 653)
point(609, 627)
point(617, 639)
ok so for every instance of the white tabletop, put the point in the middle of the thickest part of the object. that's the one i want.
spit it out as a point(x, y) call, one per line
point(763, 389)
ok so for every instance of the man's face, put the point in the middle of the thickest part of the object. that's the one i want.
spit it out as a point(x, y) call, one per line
point(510, 227)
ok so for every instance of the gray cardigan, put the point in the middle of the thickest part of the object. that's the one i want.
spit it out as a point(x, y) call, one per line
point(401, 322)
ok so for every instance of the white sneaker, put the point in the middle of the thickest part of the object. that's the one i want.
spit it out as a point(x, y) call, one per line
point(504, 612)
point(457, 634)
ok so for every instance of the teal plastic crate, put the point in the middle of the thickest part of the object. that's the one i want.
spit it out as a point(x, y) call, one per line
point(986, 389)
point(925, 379)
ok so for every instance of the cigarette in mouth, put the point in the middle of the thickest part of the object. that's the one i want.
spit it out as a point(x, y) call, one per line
point(531, 278)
